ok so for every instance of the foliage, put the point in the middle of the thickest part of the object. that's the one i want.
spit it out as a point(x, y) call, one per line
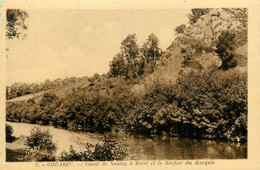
point(21, 89)
point(15, 23)
point(48, 99)
point(109, 150)
point(225, 49)
point(130, 52)
point(40, 140)
point(133, 62)
point(47, 158)
point(32, 101)
point(201, 36)
point(196, 14)
point(214, 104)
point(22, 155)
point(9, 130)
point(180, 29)
point(8, 133)
point(118, 66)
point(150, 53)
point(195, 103)
point(209, 105)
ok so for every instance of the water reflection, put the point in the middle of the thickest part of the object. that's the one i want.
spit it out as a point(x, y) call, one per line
point(144, 148)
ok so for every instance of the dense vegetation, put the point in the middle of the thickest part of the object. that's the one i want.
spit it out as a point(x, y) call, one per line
point(15, 23)
point(108, 150)
point(9, 133)
point(205, 96)
point(42, 148)
point(40, 140)
point(21, 89)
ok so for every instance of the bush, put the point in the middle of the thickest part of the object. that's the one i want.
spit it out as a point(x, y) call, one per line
point(32, 101)
point(214, 103)
point(8, 132)
point(209, 105)
point(225, 49)
point(47, 158)
point(40, 140)
point(109, 150)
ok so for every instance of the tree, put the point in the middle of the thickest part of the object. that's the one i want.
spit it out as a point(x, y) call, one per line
point(196, 14)
point(9, 133)
point(108, 150)
point(225, 49)
point(42, 140)
point(150, 52)
point(130, 53)
point(118, 66)
point(180, 29)
point(15, 23)
point(48, 98)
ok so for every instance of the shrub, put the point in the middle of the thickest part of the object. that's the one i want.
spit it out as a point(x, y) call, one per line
point(225, 49)
point(40, 140)
point(214, 103)
point(210, 105)
point(107, 151)
point(32, 101)
point(47, 158)
point(8, 132)
point(180, 29)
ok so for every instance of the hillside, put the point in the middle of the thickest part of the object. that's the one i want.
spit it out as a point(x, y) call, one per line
point(28, 96)
point(197, 88)
point(58, 91)
point(194, 47)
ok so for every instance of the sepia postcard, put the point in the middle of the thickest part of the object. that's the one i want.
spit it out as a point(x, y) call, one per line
point(129, 84)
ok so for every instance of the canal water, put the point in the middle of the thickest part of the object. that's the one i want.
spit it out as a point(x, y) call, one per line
point(142, 147)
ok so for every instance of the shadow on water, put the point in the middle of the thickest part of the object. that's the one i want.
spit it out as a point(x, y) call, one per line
point(162, 147)
point(142, 147)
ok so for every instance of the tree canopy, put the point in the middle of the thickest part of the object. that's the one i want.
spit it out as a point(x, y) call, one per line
point(16, 23)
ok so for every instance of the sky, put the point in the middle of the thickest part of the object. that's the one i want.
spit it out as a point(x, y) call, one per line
point(65, 43)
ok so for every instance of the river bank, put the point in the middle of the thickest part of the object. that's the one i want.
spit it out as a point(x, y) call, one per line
point(142, 147)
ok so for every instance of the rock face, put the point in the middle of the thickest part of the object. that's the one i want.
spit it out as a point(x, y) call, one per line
point(167, 70)
point(205, 32)
point(194, 48)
